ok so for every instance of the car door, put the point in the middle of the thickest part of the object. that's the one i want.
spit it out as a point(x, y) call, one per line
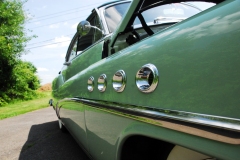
point(83, 51)
point(138, 62)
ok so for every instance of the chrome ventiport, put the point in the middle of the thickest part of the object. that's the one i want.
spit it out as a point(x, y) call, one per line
point(102, 83)
point(119, 81)
point(147, 78)
point(90, 83)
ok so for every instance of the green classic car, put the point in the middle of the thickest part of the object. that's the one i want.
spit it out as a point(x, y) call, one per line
point(154, 80)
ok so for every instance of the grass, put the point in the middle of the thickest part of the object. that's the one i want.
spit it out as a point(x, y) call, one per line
point(18, 108)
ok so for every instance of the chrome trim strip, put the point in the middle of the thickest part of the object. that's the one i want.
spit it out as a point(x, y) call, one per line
point(225, 123)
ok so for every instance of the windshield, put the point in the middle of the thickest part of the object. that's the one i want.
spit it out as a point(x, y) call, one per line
point(174, 12)
point(114, 14)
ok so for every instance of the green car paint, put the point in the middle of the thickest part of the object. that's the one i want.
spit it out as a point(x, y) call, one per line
point(198, 64)
point(89, 57)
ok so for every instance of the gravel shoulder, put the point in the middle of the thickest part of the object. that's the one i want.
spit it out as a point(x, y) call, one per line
point(35, 135)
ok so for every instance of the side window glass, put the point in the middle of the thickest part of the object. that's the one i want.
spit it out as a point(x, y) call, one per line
point(153, 20)
point(72, 51)
point(97, 34)
point(114, 14)
point(166, 15)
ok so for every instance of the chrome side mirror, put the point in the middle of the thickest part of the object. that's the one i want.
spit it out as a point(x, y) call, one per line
point(84, 27)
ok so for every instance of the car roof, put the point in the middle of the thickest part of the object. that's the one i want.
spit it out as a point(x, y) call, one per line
point(152, 2)
point(149, 4)
point(111, 2)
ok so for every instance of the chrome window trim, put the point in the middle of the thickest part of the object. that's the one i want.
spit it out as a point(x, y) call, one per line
point(101, 22)
point(73, 41)
point(102, 12)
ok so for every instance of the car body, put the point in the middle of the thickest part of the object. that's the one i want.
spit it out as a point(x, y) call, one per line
point(153, 88)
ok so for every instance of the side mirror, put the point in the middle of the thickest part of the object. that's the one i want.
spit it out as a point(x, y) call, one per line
point(83, 28)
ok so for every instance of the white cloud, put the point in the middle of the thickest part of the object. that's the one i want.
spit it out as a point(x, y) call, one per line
point(51, 46)
point(39, 69)
point(65, 23)
point(62, 41)
point(46, 78)
point(42, 8)
point(54, 25)
point(74, 26)
point(63, 55)
point(37, 23)
point(65, 40)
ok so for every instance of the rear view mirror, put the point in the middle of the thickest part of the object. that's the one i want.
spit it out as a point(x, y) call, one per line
point(83, 28)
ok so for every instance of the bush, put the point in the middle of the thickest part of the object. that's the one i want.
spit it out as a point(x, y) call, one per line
point(17, 78)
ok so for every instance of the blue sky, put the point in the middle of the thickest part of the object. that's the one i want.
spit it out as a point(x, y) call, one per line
point(54, 23)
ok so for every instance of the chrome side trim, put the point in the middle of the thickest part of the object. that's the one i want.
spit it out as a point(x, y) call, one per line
point(203, 119)
point(217, 128)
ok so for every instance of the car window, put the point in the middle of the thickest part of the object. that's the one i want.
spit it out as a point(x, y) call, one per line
point(97, 34)
point(114, 14)
point(80, 43)
point(174, 12)
point(72, 50)
point(152, 19)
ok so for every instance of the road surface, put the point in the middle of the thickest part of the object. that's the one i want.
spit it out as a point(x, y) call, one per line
point(35, 135)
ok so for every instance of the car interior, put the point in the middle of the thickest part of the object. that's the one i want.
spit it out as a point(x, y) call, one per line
point(150, 18)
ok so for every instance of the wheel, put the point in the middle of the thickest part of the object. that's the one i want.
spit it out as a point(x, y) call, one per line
point(61, 126)
point(181, 153)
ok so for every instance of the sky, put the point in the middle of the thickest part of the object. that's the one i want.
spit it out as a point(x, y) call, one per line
point(54, 23)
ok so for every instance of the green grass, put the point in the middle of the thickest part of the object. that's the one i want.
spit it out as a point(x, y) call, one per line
point(18, 108)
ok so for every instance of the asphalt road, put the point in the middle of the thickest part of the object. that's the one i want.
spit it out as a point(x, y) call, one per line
point(36, 135)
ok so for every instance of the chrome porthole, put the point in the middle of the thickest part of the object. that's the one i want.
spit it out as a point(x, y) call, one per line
point(102, 83)
point(147, 78)
point(119, 81)
point(90, 84)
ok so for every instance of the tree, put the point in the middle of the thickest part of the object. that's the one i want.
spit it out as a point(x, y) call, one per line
point(25, 81)
point(12, 43)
